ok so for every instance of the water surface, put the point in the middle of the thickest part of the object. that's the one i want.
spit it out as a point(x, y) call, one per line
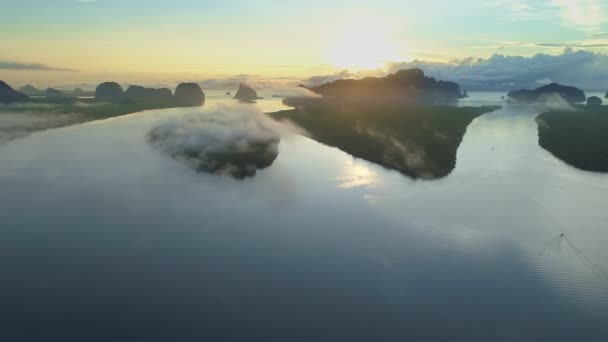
point(103, 238)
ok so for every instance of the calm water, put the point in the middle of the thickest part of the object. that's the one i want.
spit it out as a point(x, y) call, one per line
point(102, 238)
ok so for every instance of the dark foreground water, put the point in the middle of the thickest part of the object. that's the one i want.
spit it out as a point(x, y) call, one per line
point(102, 238)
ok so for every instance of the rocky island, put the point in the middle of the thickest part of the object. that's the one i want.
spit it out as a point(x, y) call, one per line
point(246, 94)
point(576, 137)
point(189, 95)
point(55, 108)
point(148, 95)
point(570, 94)
point(403, 87)
point(594, 101)
point(400, 121)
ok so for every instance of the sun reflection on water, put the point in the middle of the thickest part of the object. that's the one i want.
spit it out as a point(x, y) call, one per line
point(356, 175)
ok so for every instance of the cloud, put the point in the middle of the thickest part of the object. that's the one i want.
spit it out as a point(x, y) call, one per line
point(520, 8)
point(581, 68)
point(556, 102)
point(7, 65)
point(588, 44)
point(322, 79)
point(565, 45)
point(583, 15)
point(232, 140)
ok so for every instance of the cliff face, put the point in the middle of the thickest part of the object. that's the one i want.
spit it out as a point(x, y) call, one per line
point(570, 94)
point(109, 91)
point(9, 95)
point(189, 94)
point(149, 95)
point(246, 94)
point(405, 86)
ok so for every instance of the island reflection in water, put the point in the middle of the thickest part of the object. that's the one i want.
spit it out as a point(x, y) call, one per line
point(118, 240)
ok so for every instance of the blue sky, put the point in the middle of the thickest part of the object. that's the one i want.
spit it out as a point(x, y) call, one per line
point(200, 39)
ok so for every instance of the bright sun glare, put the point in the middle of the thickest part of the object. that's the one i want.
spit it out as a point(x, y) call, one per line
point(363, 43)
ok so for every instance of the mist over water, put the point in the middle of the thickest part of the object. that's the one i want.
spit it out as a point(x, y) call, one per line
point(232, 140)
point(318, 246)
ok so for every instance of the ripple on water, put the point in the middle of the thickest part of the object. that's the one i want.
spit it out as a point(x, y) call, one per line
point(556, 283)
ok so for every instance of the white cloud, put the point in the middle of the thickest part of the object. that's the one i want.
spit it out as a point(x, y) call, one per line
point(583, 15)
point(585, 69)
point(232, 140)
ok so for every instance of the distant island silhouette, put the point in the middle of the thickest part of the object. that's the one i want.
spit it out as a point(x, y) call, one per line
point(594, 101)
point(403, 87)
point(62, 108)
point(52, 92)
point(577, 138)
point(32, 91)
point(246, 94)
point(570, 94)
point(108, 96)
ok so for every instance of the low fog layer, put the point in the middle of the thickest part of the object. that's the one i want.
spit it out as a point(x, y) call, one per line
point(228, 140)
point(16, 124)
point(555, 102)
point(548, 101)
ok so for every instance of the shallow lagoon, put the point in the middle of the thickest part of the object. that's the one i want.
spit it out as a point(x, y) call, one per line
point(104, 238)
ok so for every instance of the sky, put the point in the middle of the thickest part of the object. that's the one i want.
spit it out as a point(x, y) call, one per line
point(46, 42)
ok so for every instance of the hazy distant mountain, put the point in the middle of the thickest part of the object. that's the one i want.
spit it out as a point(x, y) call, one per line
point(9, 95)
point(31, 91)
point(51, 92)
point(82, 93)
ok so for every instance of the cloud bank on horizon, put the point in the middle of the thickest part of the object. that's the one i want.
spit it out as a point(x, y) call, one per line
point(584, 69)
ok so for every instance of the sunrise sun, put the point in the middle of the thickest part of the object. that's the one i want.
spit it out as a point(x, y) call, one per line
point(363, 42)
